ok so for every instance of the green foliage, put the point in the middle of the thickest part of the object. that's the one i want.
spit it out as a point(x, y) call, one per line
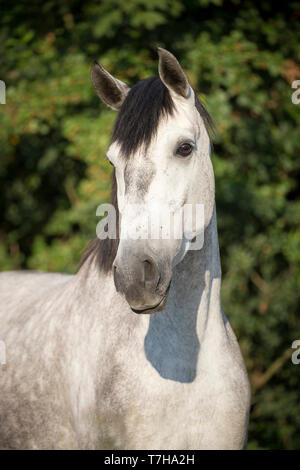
point(54, 133)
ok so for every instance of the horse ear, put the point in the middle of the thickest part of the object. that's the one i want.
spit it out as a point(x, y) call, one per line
point(171, 73)
point(109, 89)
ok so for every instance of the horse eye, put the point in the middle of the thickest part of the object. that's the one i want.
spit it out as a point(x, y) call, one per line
point(184, 149)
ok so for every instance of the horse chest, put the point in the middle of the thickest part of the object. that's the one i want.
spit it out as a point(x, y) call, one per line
point(151, 412)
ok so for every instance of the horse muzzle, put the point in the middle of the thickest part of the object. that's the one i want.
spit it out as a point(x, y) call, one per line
point(144, 281)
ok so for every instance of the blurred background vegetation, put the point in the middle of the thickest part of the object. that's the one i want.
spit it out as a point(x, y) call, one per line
point(241, 59)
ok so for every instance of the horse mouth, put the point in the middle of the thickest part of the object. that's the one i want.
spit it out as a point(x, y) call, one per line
point(156, 308)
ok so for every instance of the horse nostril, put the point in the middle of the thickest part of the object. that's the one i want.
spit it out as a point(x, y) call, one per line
point(150, 272)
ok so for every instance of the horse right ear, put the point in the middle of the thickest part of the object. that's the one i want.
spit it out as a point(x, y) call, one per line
point(109, 89)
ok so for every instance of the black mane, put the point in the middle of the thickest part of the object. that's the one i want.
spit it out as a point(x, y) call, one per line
point(136, 124)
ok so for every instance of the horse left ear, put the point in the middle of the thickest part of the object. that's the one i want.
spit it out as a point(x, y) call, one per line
point(171, 74)
point(109, 89)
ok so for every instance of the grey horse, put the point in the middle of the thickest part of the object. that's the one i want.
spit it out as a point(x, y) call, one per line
point(134, 351)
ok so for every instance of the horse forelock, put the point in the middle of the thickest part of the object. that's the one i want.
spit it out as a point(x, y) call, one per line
point(146, 103)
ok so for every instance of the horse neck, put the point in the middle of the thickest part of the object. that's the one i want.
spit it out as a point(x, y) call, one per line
point(193, 315)
point(196, 285)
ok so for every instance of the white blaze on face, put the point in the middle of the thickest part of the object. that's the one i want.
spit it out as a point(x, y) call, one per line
point(169, 181)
